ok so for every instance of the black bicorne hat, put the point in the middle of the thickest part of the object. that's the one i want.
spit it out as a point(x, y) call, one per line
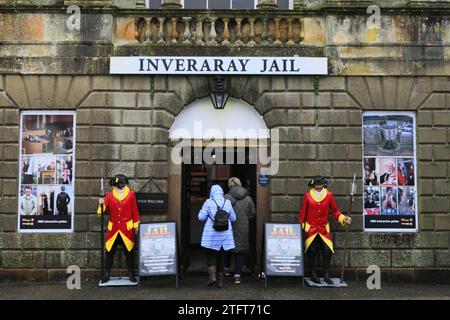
point(317, 180)
point(118, 178)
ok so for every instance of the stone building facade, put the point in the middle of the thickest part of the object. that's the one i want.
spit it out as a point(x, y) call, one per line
point(123, 121)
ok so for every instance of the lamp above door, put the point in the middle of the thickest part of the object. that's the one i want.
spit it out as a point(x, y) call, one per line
point(219, 95)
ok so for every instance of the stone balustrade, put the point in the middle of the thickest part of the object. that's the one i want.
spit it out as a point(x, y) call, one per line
point(220, 29)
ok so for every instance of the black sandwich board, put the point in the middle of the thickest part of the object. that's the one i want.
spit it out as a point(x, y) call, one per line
point(158, 250)
point(283, 250)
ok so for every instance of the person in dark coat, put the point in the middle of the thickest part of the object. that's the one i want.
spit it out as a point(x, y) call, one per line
point(52, 200)
point(245, 210)
point(44, 204)
point(62, 201)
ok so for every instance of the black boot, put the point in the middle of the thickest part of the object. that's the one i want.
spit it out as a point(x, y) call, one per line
point(212, 272)
point(312, 266)
point(219, 283)
point(108, 264)
point(131, 277)
point(326, 268)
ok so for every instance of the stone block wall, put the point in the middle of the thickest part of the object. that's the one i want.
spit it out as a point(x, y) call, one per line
point(119, 129)
point(122, 126)
point(320, 133)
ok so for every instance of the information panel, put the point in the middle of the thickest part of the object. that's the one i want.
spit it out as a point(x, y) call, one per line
point(283, 249)
point(158, 249)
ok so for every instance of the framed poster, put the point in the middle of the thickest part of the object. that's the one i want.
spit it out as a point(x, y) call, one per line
point(283, 248)
point(389, 172)
point(46, 171)
point(158, 252)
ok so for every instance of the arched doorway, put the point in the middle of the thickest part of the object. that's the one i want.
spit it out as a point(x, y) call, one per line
point(213, 146)
point(238, 120)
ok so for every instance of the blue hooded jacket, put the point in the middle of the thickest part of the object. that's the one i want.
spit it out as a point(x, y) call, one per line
point(211, 238)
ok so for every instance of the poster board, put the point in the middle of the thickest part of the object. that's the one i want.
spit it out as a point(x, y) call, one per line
point(389, 172)
point(158, 249)
point(46, 194)
point(283, 250)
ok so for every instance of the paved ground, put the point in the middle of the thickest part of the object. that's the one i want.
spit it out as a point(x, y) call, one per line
point(251, 289)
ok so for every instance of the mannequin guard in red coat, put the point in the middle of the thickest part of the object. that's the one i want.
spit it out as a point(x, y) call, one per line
point(316, 205)
point(121, 205)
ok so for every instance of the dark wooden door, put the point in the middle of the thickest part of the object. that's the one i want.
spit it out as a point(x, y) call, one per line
point(185, 216)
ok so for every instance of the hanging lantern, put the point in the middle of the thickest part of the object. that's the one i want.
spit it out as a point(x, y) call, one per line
point(218, 95)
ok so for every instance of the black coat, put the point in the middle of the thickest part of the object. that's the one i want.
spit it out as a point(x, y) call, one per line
point(62, 201)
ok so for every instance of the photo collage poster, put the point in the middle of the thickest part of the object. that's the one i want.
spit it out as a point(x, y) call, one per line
point(46, 171)
point(389, 172)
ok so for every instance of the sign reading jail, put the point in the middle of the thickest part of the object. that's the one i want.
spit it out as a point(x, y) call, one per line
point(220, 65)
point(158, 249)
point(283, 249)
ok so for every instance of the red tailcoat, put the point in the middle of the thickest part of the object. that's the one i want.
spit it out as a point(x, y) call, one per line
point(314, 216)
point(123, 217)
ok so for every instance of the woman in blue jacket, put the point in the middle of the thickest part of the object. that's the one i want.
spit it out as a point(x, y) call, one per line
point(216, 242)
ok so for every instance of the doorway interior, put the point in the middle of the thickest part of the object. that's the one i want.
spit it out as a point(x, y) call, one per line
point(197, 179)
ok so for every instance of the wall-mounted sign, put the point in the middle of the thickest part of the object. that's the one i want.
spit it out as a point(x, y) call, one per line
point(264, 180)
point(389, 172)
point(152, 202)
point(283, 249)
point(220, 65)
point(158, 249)
point(46, 171)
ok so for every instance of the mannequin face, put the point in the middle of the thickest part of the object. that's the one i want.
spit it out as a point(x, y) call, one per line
point(318, 187)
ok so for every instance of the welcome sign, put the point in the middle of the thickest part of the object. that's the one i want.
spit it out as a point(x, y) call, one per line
point(220, 65)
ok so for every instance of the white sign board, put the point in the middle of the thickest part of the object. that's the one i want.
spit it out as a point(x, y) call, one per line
point(219, 65)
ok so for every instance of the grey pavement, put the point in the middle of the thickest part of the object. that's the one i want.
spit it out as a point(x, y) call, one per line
point(193, 288)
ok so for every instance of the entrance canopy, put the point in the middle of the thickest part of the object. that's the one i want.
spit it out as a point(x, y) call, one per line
point(238, 120)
